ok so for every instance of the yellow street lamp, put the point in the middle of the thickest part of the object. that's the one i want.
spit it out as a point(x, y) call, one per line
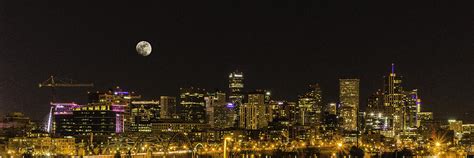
point(225, 145)
point(339, 145)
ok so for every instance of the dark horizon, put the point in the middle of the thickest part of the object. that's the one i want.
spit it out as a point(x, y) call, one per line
point(279, 45)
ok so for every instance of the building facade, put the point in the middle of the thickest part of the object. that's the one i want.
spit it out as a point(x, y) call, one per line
point(192, 106)
point(236, 86)
point(168, 107)
point(310, 106)
point(349, 99)
point(143, 113)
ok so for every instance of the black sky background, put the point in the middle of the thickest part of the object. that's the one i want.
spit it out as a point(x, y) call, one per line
point(279, 45)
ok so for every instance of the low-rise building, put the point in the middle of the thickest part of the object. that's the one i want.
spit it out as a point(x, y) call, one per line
point(176, 125)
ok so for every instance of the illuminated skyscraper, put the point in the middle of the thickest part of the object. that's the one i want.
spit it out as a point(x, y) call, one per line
point(259, 97)
point(215, 101)
point(253, 113)
point(349, 92)
point(248, 116)
point(168, 107)
point(192, 105)
point(349, 97)
point(456, 126)
point(378, 118)
point(224, 113)
point(400, 108)
point(348, 115)
point(236, 94)
point(411, 109)
point(310, 106)
point(393, 98)
point(236, 86)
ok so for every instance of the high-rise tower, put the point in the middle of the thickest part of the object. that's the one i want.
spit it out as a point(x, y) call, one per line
point(310, 105)
point(349, 98)
point(393, 98)
point(192, 105)
point(236, 85)
point(168, 107)
point(236, 95)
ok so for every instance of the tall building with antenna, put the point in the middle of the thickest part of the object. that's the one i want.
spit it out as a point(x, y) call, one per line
point(393, 98)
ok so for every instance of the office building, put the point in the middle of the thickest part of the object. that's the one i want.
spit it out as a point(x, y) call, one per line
point(214, 104)
point(310, 106)
point(248, 116)
point(192, 106)
point(393, 98)
point(411, 109)
point(98, 119)
point(236, 86)
point(258, 98)
point(63, 122)
point(143, 113)
point(349, 92)
point(349, 99)
point(348, 115)
point(118, 100)
point(168, 107)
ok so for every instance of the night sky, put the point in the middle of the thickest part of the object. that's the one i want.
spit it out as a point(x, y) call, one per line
point(280, 45)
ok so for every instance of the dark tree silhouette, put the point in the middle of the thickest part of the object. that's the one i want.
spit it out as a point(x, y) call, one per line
point(356, 152)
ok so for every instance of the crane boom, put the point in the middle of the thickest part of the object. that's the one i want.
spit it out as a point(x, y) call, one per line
point(65, 85)
point(54, 83)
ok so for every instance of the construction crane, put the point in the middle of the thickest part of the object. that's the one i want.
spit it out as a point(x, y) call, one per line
point(54, 83)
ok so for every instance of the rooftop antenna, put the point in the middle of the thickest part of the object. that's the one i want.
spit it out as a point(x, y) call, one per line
point(393, 68)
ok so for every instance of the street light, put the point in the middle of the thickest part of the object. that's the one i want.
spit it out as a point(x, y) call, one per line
point(225, 145)
point(339, 148)
point(339, 145)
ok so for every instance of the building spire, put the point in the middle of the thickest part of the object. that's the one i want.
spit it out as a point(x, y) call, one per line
point(393, 67)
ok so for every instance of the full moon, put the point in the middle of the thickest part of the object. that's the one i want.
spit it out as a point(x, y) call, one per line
point(143, 48)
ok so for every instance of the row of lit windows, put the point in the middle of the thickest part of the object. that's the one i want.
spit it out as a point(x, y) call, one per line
point(93, 108)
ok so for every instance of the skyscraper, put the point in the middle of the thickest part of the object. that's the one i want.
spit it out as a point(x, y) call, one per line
point(236, 94)
point(310, 105)
point(192, 105)
point(349, 92)
point(215, 101)
point(223, 112)
point(393, 98)
point(168, 107)
point(259, 98)
point(253, 113)
point(236, 85)
point(248, 116)
point(348, 115)
point(411, 109)
point(349, 97)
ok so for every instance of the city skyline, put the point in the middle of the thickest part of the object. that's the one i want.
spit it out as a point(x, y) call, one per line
point(79, 98)
point(236, 79)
